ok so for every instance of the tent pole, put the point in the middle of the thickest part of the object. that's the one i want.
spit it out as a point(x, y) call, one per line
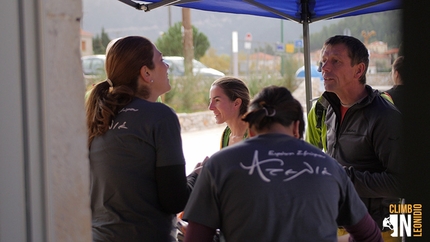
point(307, 64)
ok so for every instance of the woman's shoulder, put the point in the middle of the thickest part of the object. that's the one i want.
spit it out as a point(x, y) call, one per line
point(152, 106)
point(149, 110)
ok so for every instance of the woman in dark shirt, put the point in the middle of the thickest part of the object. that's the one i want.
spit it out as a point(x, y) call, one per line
point(397, 91)
point(137, 167)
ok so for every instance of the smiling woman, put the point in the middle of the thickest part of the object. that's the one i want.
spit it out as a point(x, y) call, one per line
point(229, 99)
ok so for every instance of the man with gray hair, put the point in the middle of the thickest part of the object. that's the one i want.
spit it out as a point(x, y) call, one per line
point(363, 128)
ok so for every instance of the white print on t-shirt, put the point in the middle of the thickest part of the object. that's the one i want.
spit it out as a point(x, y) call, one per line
point(117, 125)
point(122, 126)
point(299, 153)
point(128, 109)
point(290, 174)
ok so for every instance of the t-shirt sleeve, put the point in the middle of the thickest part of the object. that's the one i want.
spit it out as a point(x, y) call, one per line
point(365, 230)
point(168, 141)
point(351, 208)
point(173, 187)
point(202, 206)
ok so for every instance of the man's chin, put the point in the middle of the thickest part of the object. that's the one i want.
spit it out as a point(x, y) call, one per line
point(328, 87)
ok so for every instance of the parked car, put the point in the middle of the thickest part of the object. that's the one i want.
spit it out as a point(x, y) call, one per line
point(176, 67)
point(94, 68)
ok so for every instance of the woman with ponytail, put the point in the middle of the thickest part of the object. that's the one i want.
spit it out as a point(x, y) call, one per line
point(137, 166)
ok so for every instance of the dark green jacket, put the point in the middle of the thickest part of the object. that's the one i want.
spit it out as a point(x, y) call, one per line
point(367, 143)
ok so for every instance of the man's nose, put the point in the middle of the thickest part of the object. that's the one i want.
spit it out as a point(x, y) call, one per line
point(325, 66)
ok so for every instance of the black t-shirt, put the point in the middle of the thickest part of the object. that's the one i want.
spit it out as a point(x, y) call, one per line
point(125, 196)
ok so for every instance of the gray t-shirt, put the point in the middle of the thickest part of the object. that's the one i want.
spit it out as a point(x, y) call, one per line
point(274, 187)
point(124, 201)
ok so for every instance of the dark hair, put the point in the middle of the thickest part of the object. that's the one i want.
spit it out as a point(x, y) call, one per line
point(356, 51)
point(123, 63)
point(272, 105)
point(398, 66)
point(234, 88)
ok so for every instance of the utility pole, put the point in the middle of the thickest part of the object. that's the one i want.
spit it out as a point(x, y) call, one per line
point(187, 41)
point(170, 16)
point(282, 43)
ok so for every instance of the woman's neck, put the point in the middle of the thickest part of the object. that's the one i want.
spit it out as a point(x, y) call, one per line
point(238, 131)
point(278, 128)
point(238, 128)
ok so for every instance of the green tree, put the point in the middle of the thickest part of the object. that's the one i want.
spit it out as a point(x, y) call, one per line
point(100, 42)
point(170, 43)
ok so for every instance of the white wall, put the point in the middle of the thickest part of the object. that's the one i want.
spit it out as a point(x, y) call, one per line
point(87, 40)
point(44, 176)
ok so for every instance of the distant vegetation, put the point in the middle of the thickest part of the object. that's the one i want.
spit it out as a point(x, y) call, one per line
point(100, 42)
point(219, 62)
point(387, 26)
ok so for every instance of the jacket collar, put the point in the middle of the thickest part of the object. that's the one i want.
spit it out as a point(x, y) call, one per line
point(332, 99)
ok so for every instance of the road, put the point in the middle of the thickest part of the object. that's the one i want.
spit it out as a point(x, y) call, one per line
point(199, 144)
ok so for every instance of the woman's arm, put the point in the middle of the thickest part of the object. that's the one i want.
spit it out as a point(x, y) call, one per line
point(174, 187)
point(365, 230)
point(199, 233)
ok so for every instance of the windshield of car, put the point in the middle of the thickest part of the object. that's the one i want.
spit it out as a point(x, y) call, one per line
point(198, 65)
point(93, 66)
point(175, 65)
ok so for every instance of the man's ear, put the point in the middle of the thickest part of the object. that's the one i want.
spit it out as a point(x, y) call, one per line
point(145, 74)
point(359, 71)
